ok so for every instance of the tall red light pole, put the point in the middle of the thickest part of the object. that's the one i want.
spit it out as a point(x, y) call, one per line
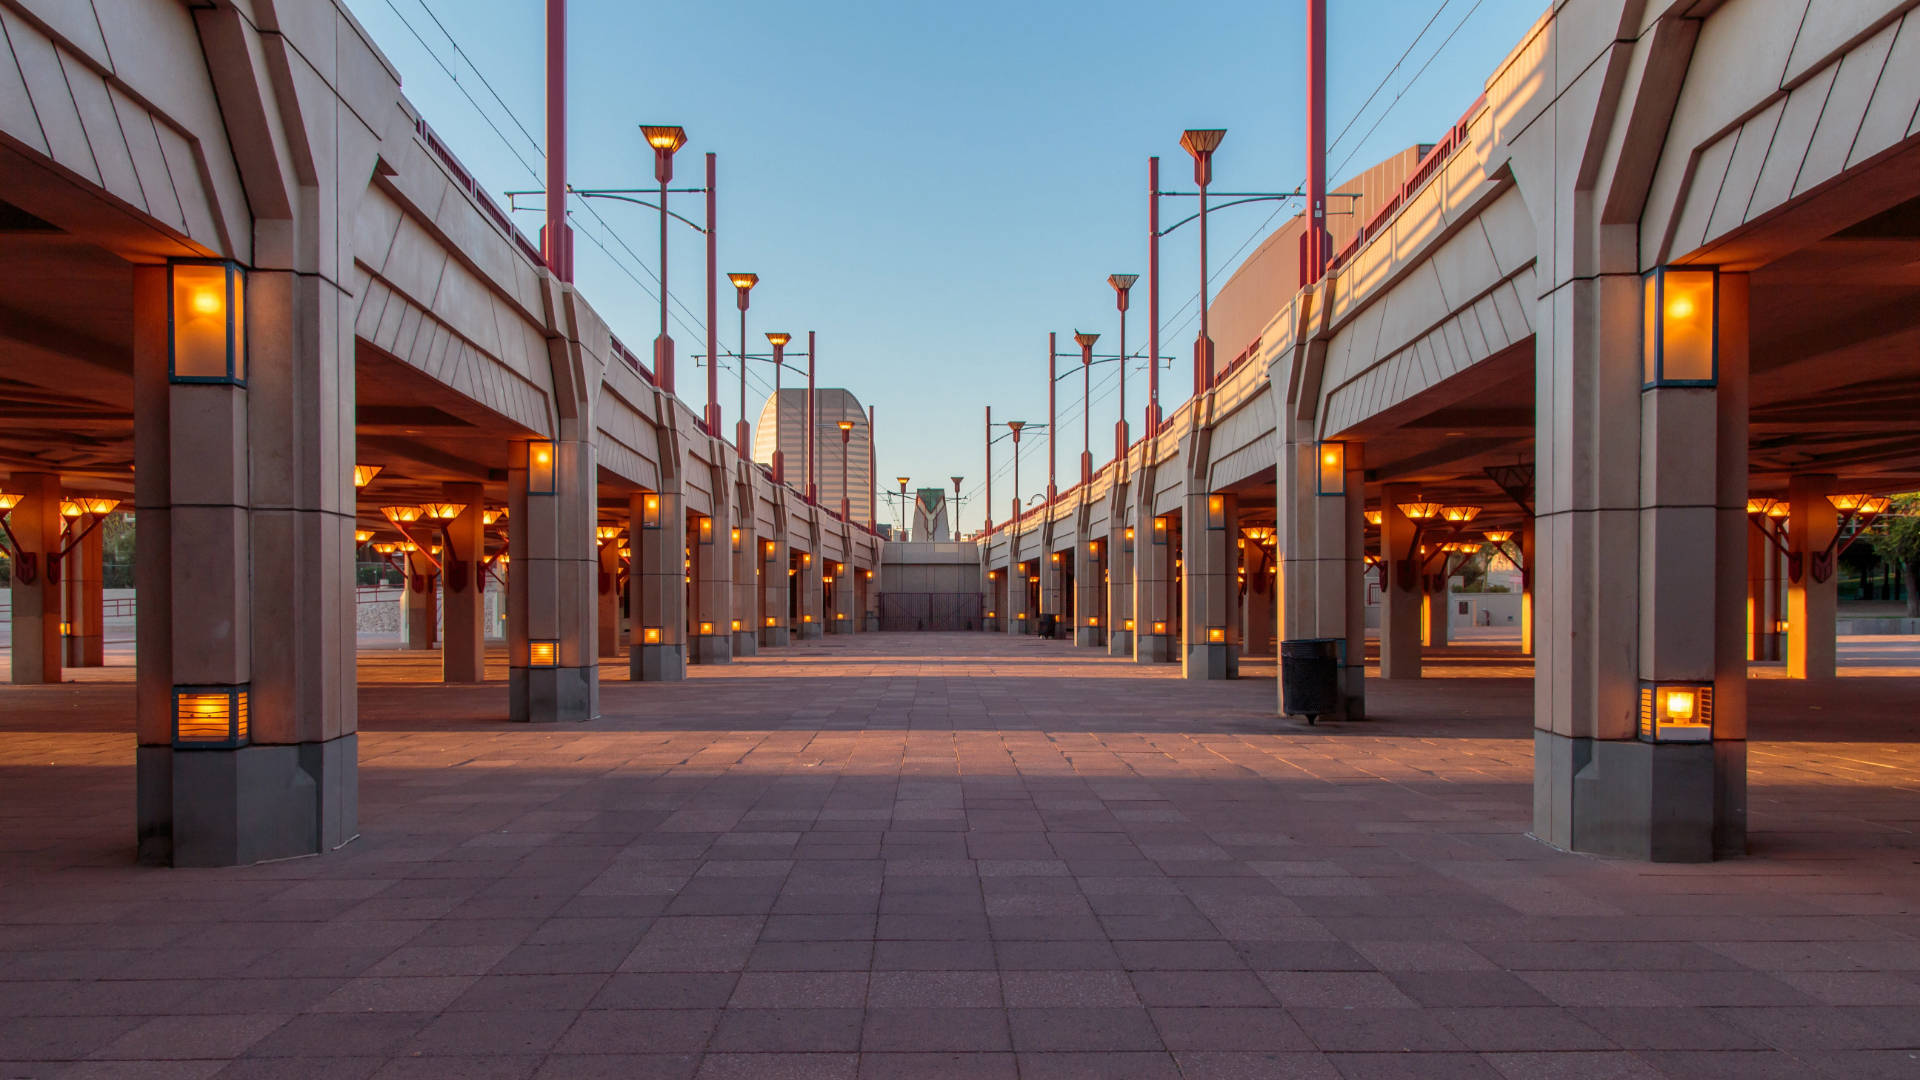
point(872, 480)
point(813, 435)
point(713, 310)
point(1316, 237)
point(742, 285)
point(906, 515)
point(778, 340)
point(1085, 341)
point(1053, 444)
point(1015, 426)
point(665, 140)
point(1153, 297)
point(1122, 285)
point(556, 239)
point(987, 526)
point(954, 525)
point(846, 437)
point(1201, 143)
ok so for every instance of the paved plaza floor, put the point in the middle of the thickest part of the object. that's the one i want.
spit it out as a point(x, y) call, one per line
point(932, 856)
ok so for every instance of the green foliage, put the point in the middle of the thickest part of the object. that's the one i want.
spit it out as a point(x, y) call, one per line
point(1897, 538)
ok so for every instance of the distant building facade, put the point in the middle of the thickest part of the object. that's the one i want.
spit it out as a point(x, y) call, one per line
point(783, 424)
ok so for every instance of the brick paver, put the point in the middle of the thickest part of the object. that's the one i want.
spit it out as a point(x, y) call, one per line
point(965, 856)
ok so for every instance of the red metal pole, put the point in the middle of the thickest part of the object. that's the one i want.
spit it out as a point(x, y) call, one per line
point(1120, 428)
point(1153, 296)
point(779, 457)
point(813, 458)
point(713, 309)
point(872, 480)
point(554, 238)
point(1317, 237)
point(663, 345)
point(1203, 347)
point(988, 526)
point(1053, 443)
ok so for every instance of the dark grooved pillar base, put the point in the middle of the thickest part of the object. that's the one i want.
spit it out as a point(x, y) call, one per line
point(1211, 661)
point(746, 643)
point(1154, 649)
point(711, 649)
point(1120, 643)
point(551, 695)
point(657, 663)
point(773, 637)
point(236, 807)
point(1663, 802)
point(809, 631)
point(1089, 637)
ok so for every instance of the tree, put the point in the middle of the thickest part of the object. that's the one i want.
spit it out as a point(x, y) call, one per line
point(1898, 542)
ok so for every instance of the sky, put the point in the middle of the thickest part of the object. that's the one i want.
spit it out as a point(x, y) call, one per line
point(930, 186)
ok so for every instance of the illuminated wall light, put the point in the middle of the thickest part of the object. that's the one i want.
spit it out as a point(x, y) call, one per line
point(66, 629)
point(736, 624)
point(210, 717)
point(806, 618)
point(1332, 468)
point(1093, 620)
point(771, 621)
point(1159, 627)
point(541, 473)
point(1676, 712)
point(1216, 633)
point(206, 322)
point(1681, 343)
point(650, 635)
point(1127, 625)
point(543, 653)
point(706, 628)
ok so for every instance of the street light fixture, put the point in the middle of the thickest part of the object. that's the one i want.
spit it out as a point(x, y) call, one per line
point(846, 438)
point(666, 140)
point(906, 521)
point(1201, 143)
point(1122, 288)
point(778, 339)
point(954, 525)
point(1085, 341)
point(742, 285)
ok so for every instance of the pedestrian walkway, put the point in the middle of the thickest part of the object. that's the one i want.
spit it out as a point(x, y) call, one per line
point(891, 856)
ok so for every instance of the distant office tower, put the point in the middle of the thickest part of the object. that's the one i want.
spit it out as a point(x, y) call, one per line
point(783, 422)
point(930, 514)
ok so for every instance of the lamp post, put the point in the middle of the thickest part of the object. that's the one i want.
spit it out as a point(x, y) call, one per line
point(813, 434)
point(872, 498)
point(1015, 426)
point(1085, 341)
point(1122, 286)
point(954, 525)
point(778, 340)
point(1201, 143)
point(665, 140)
point(906, 521)
point(987, 525)
point(846, 438)
point(742, 285)
point(1053, 448)
point(1153, 297)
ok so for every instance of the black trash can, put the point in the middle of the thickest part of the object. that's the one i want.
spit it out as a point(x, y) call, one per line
point(1310, 676)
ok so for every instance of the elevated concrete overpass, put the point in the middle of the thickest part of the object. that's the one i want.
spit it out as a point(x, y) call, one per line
point(237, 264)
point(1665, 266)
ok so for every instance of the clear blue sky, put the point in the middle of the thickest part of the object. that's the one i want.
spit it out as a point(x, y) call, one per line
point(932, 186)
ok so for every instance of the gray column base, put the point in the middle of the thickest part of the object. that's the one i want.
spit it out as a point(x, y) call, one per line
point(1153, 649)
point(1353, 693)
point(657, 663)
point(1212, 661)
point(746, 643)
point(711, 649)
point(1089, 637)
point(1662, 802)
point(810, 631)
point(1120, 643)
point(85, 650)
point(992, 626)
point(552, 695)
point(236, 807)
point(872, 624)
point(773, 637)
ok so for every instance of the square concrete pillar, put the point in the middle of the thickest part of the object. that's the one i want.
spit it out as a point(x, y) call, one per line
point(83, 588)
point(1526, 586)
point(809, 569)
point(748, 596)
point(553, 672)
point(775, 586)
point(1436, 609)
point(607, 595)
point(1321, 544)
point(463, 556)
point(709, 538)
point(1813, 587)
point(1633, 620)
point(420, 603)
point(36, 525)
point(657, 595)
point(1055, 566)
point(1210, 621)
point(994, 615)
point(1090, 622)
point(1119, 583)
point(1155, 547)
point(1402, 602)
point(245, 688)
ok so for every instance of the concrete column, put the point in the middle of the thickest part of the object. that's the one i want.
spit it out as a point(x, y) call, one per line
point(463, 649)
point(1641, 504)
point(1759, 627)
point(607, 598)
point(657, 595)
point(553, 672)
point(420, 604)
point(813, 599)
point(1054, 598)
point(1813, 594)
point(1403, 601)
point(1351, 579)
point(834, 588)
point(36, 578)
point(1259, 617)
point(1527, 550)
point(775, 582)
point(245, 575)
point(1017, 611)
point(1210, 623)
point(711, 539)
point(1089, 587)
point(81, 580)
point(1776, 606)
point(1321, 587)
point(1435, 613)
point(1119, 584)
point(747, 594)
point(1153, 554)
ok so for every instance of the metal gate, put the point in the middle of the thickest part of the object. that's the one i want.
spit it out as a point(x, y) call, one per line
point(930, 611)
